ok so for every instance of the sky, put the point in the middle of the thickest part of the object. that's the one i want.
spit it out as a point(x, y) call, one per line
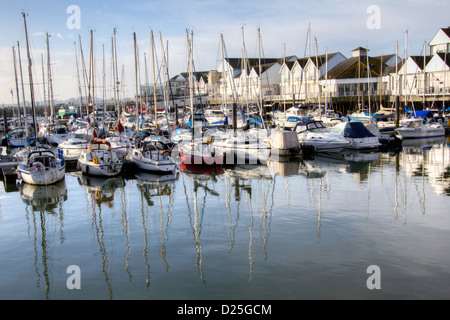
point(335, 25)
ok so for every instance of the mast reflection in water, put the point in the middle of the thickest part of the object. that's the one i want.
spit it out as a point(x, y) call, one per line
point(304, 229)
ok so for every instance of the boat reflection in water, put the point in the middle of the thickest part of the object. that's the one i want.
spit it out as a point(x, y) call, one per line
point(153, 187)
point(101, 189)
point(43, 200)
point(206, 230)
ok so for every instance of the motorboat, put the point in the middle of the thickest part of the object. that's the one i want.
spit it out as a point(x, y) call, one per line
point(315, 133)
point(40, 166)
point(357, 134)
point(417, 128)
point(290, 117)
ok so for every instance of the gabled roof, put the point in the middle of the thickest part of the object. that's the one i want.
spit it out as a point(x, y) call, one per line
point(446, 31)
point(236, 63)
point(264, 67)
point(197, 75)
point(420, 59)
point(348, 69)
point(445, 57)
point(322, 59)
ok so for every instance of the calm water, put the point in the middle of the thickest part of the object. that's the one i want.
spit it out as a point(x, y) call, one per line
point(297, 230)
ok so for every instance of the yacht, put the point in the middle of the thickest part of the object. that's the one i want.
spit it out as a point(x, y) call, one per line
point(416, 128)
point(315, 133)
point(357, 134)
point(153, 157)
point(40, 166)
point(99, 159)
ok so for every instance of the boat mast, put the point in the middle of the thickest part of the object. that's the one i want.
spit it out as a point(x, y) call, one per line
point(317, 75)
point(30, 74)
point(397, 100)
point(25, 118)
point(224, 97)
point(78, 79)
point(244, 67)
point(43, 85)
point(154, 79)
point(17, 85)
point(137, 84)
point(424, 72)
point(116, 73)
point(368, 85)
point(50, 89)
point(260, 80)
point(104, 84)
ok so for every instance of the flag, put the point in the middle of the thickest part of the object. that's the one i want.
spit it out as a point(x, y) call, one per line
point(12, 93)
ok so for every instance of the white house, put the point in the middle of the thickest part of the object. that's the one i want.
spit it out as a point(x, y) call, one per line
point(440, 41)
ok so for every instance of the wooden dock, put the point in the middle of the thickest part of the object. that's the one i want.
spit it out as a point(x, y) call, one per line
point(8, 169)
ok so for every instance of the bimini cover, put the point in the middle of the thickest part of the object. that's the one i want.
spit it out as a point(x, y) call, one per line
point(356, 130)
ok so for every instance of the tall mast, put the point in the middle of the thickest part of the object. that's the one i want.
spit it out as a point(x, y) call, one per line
point(317, 74)
point(260, 80)
point(146, 81)
point(326, 80)
point(404, 68)
point(25, 118)
point(30, 74)
point(137, 83)
point(17, 85)
point(50, 89)
point(117, 82)
point(154, 80)
point(83, 65)
point(163, 82)
point(78, 79)
point(92, 76)
point(368, 84)
point(244, 67)
point(424, 72)
point(43, 84)
point(104, 83)
point(224, 98)
point(397, 100)
point(190, 70)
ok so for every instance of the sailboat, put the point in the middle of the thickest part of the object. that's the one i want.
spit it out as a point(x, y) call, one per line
point(38, 166)
point(41, 166)
point(148, 155)
point(199, 150)
point(99, 159)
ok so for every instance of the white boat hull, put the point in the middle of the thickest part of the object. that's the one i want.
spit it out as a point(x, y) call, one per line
point(432, 131)
point(364, 143)
point(101, 170)
point(42, 177)
point(98, 162)
point(151, 163)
